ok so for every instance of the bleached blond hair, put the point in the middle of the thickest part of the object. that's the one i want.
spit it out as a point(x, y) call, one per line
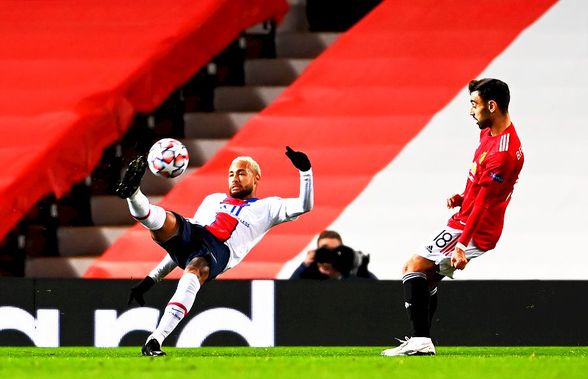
point(253, 165)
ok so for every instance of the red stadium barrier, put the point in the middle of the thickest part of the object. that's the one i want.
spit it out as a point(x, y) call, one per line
point(73, 74)
point(353, 110)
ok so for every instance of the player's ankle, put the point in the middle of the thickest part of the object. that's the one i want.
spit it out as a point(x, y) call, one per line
point(156, 336)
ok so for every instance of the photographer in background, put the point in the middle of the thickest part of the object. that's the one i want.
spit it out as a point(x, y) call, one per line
point(333, 260)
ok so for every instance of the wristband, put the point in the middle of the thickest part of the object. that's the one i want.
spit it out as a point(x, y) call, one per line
point(461, 246)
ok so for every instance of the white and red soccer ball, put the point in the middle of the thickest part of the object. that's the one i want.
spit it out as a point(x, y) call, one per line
point(168, 158)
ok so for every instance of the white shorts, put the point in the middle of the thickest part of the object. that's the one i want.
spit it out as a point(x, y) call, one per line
point(442, 245)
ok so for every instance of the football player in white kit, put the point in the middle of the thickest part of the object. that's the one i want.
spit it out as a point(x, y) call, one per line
point(222, 232)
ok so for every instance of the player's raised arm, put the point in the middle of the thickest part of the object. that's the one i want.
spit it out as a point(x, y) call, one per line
point(305, 200)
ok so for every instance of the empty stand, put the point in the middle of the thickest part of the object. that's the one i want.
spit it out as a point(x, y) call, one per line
point(214, 125)
point(353, 110)
point(372, 98)
point(72, 79)
point(205, 113)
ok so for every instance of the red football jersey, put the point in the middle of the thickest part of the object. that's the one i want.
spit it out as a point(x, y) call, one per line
point(497, 163)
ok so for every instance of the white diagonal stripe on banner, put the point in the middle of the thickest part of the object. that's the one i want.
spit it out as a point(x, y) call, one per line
point(406, 200)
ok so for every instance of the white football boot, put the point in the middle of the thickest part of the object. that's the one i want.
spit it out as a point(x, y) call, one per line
point(412, 346)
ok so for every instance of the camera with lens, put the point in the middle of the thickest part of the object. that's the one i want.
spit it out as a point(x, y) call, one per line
point(344, 259)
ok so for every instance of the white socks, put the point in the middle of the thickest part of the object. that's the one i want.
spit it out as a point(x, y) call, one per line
point(151, 216)
point(179, 305)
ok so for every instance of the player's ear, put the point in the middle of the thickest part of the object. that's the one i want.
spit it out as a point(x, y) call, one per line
point(492, 106)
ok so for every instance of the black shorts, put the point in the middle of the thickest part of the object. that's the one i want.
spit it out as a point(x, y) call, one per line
point(195, 241)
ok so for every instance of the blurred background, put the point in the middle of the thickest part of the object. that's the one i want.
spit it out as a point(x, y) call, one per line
point(374, 91)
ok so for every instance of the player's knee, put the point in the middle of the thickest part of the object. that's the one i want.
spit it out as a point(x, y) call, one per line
point(171, 224)
point(170, 228)
point(409, 266)
point(199, 267)
point(418, 264)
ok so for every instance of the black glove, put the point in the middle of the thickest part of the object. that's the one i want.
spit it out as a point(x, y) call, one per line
point(298, 158)
point(139, 290)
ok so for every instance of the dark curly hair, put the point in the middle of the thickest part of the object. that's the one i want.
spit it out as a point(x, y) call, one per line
point(492, 89)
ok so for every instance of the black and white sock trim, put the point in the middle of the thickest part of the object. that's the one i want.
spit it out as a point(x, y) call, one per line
point(413, 275)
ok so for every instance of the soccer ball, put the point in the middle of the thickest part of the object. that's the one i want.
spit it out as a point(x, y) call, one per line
point(168, 158)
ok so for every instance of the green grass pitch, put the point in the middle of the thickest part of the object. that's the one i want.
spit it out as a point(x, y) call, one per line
point(293, 362)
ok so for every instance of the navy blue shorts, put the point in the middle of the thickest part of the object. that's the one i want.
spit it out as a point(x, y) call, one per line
point(195, 241)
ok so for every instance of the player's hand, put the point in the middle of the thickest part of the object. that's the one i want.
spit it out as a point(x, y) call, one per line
point(139, 290)
point(298, 158)
point(458, 259)
point(454, 201)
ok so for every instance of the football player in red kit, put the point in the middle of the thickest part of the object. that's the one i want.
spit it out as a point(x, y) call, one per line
point(477, 226)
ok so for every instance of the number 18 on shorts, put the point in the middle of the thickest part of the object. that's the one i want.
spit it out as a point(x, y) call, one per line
point(441, 246)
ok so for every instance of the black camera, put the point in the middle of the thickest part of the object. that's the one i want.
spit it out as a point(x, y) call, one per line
point(345, 260)
point(342, 258)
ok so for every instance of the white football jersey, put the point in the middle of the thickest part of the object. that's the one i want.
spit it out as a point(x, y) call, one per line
point(241, 224)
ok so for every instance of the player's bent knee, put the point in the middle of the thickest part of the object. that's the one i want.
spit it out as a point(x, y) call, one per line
point(418, 264)
point(200, 267)
point(169, 229)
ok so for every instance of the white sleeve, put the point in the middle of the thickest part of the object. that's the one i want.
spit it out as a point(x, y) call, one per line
point(163, 268)
point(294, 207)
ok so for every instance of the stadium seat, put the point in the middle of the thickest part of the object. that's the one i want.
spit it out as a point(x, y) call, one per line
point(242, 80)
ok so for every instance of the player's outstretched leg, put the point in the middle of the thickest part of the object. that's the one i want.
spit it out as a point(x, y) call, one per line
point(131, 180)
point(151, 216)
